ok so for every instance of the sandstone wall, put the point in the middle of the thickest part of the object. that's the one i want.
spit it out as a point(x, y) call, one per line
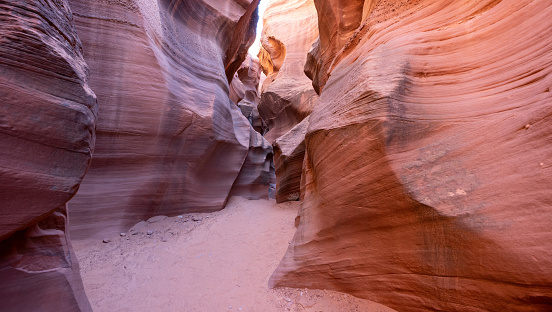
point(47, 122)
point(244, 91)
point(290, 28)
point(169, 138)
point(427, 175)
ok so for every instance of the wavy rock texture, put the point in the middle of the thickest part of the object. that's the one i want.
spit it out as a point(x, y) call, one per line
point(47, 121)
point(169, 139)
point(339, 19)
point(428, 166)
point(39, 270)
point(289, 152)
point(257, 171)
point(290, 28)
point(244, 91)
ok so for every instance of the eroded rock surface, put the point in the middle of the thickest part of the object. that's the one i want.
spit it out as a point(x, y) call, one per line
point(170, 140)
point(427, 175)
point(289, 152)
point(39, 270)
point(47, 121)
point(257, 170)
point(290, 28)
point(244, 91)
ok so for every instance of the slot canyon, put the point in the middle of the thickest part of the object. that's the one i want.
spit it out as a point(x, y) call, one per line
point(271, 155)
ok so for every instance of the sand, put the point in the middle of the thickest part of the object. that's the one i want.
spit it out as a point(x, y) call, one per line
point(203, 262)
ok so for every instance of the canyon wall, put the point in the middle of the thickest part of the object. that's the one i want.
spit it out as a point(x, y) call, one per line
point(169, 140)
point(47, 120)
point(428, 159)
point(244, 91)
point(290, 28)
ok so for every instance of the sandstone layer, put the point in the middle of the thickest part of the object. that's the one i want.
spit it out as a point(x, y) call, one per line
point(289, 152)
point(244, 91)
point(47, 123)
point(169, 140)
point(427, 175)
point(39, 270)
point(289, 29)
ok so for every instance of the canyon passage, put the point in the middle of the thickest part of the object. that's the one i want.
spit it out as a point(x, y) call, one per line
point(270, 155)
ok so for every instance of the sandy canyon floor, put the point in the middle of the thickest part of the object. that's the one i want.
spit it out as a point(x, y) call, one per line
point(203, 262)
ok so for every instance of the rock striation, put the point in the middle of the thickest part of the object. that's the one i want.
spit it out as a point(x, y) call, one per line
point(47, 133)
point(289, 29)
point(244, 91)
point(289, 152)
point(169, 139)
point(427, 171)
point(39, 262)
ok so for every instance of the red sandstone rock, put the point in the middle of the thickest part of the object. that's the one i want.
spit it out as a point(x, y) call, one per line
point(427, 173)
point(244, 91)
point(47, 124)
point(169, 139)
point(290, 28)
point(257, 171)
point(339, 19)
point(39, 270)
point(289, 152)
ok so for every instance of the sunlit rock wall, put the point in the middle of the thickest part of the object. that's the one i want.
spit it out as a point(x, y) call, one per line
point(428, 168)
point(290, 28)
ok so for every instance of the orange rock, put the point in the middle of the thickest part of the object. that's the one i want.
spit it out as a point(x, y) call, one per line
point(289, 152)
point(423, 189)
point(290, 27)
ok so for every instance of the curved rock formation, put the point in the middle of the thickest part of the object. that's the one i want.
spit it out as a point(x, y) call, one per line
point(290, 27)
point(289, 152)
point(169, 139)
point(244, 91)
point(428, 171)
point(257, 171)
point(47, 124)
point(339, 20)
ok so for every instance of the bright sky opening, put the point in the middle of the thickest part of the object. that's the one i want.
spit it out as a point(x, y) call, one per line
point(256, 46)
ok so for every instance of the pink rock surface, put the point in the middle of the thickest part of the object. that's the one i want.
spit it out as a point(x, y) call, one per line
point(170, 140)
point(427, 173)
point(289, 152)
point(47, 121)
point(290, 28)
point(244, 91)
point(39, 270)
point(47, 116)
point(257, 170)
